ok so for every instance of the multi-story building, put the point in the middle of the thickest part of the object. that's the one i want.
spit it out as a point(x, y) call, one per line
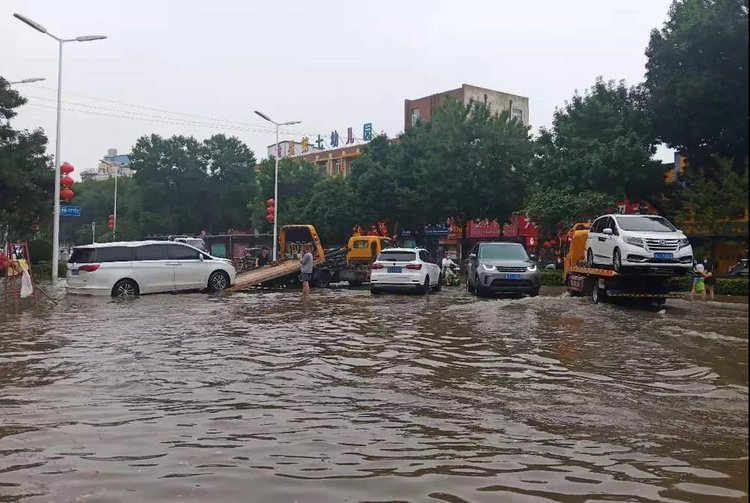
point(110, 165)
point(422, 109)
point(336, 162)
point(290, 148)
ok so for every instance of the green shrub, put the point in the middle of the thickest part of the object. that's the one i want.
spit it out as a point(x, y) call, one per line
point(43, 270)
point(724, 286)
point(40, 251)
point(552, 277)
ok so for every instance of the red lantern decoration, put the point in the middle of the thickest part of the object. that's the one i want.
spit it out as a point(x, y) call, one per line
point(269, 217)
point(66, 181)
point(66, 168)
point(66, 194)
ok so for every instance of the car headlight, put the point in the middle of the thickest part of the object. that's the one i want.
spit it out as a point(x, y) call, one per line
point(634, 241)
point(531, 268)
point(684, 242)
point(488, 267)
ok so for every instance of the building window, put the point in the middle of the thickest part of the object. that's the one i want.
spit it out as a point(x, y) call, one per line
point(414, 116)
point(336, 167)
point(517, 113)
point(323, 166)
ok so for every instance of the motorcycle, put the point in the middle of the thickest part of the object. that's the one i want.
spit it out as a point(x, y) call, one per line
point(450, 276)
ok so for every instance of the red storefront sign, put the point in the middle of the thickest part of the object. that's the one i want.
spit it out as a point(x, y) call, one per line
point(484, 229)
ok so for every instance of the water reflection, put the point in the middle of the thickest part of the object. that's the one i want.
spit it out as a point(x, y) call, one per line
point(344, 396)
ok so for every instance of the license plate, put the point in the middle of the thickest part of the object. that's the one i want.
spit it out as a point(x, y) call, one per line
point(512, 276)
point(396, 270)
point(74, 272)
point(663, 256)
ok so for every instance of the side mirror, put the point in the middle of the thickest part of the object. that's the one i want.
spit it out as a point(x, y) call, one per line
point(607, 231)
point(472, 256)
point(532, 256)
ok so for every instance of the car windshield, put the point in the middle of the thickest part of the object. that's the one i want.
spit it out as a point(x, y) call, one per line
point(645, 223)
point(397, 256)
point(503, 252)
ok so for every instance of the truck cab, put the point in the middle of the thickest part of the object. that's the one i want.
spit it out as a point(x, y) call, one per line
point(363, 250)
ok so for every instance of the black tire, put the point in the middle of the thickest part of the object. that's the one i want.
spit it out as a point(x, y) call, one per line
point(425, 289)
point(218, 281)
point(375, 291)
point(125, 288)
point(355, 283)
point(660, 301)
point(323, 279)
point(589, 258)
point(534, 292)
point(439, 283)
point(617, 260)
point(597, 294)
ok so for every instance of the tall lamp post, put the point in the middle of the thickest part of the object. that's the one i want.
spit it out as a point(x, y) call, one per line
point(28, 81)
point(276, 179)
point(56, 195)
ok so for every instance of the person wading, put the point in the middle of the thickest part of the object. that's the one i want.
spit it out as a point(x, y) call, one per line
point(306, 261)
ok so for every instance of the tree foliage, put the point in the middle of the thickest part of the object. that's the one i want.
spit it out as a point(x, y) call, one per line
point(599, 150)
point(697, 77)
point(26, 177)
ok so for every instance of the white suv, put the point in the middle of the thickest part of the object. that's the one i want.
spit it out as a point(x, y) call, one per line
point(405, 269)
point(638, 241)
point(129, 268)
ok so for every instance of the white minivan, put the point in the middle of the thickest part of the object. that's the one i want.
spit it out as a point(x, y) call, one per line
point(128, 268)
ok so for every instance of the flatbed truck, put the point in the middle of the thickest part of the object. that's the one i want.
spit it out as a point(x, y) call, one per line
point(606, 284)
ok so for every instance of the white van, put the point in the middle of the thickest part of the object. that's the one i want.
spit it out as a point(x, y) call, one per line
point(128, 268)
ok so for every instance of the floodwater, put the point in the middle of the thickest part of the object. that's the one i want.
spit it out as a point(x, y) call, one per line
point(264, 397)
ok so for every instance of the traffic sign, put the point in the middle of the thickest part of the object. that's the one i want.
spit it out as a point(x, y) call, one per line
point(70, 211)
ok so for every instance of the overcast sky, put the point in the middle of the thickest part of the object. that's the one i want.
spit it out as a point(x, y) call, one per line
point(198, 68)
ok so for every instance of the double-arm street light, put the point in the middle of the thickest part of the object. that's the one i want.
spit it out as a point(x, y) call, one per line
point(56, 195)
point(276, 179)
point(27, 81)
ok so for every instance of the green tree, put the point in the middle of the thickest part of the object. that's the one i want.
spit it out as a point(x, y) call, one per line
point(469, 161)
point(26, 177)
point(599, 150)
point(697, 78)
point(296, 186)
point(330, 210)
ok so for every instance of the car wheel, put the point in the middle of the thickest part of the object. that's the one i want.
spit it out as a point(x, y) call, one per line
point(660, 301)
point(597, 294)
point(534, 292)
point(617, 260)
point(425, 289)
point(125, 288)
point(439, 285)
point(469, 287)
point(218, 281)
point(323, 279)
point(590, 258)
point(375, 291)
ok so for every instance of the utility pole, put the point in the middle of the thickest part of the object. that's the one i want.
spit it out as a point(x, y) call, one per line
point(93, 232)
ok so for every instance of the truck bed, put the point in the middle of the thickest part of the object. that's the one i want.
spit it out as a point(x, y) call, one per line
point(277, 270)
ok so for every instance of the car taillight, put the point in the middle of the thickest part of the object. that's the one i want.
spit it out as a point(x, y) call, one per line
point(414, 267)
point(89, 267)
point(377, 266)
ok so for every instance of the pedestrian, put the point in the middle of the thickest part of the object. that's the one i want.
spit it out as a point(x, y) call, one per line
point(709, 275)
point(306, 263)
point(264, 258)
point(699, 285)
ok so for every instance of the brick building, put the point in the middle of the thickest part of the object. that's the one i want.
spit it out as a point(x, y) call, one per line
point(422, 109)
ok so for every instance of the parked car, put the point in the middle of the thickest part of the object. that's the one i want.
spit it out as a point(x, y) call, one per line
point(502, 268)
point(194, 242)
point(638, 242)
point(123, 269)
point(738, 270)
point(405, 269)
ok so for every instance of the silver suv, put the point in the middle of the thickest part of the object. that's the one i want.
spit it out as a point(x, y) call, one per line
point(502, 268)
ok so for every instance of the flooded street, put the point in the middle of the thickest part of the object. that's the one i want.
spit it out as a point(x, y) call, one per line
point(352, 397)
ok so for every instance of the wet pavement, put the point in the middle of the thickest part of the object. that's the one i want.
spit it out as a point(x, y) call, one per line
point(348, 397)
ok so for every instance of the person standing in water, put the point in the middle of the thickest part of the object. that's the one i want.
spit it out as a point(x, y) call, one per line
point(306, 263)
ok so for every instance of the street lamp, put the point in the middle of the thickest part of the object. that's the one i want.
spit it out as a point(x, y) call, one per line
point(56, 195)
point(27, 81)
point(276, 178)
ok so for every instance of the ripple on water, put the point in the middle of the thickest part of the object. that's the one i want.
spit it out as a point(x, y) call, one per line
point(347, 395)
